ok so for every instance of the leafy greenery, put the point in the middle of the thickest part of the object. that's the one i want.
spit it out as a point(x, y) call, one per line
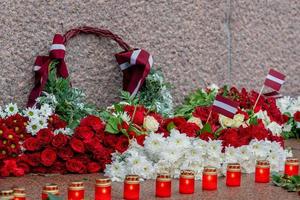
point(69, 103)
point(291, 184)
point(198, 98)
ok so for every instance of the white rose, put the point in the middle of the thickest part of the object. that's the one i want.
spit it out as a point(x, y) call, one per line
point(150, 124)
point(196, 120)
point(236, 122)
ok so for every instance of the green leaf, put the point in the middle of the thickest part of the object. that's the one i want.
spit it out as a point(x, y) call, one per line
point(170, 126)
point(253, 121)
point(112, 125)
point(206, 128)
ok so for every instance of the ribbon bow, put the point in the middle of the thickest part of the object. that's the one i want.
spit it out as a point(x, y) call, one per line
point(135, 65)
point(41, 68)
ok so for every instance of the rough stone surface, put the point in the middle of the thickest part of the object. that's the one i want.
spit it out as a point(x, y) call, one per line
point(189, 41)
point(249, 189)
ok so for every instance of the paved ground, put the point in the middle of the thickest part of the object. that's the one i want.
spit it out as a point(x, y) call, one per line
point(248, 190)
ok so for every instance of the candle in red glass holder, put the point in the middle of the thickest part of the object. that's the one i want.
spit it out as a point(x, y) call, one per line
point(209, 178)
point(131, 187)
point(291, 167)
point(19, 194)
point(103, 189)
point(49, 188)
point(233, 174)
point(76, 191)
point(163, 185)
point(7, 195)
point(262, 171)
point(187, 182)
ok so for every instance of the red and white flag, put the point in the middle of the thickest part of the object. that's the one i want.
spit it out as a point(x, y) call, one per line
point(274, 79)
point(225, 106)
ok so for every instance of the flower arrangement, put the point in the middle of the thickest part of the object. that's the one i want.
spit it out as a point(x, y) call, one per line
point(178, 152)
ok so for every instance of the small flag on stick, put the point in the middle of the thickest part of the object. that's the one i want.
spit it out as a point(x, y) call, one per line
point(225, 106)
point(274, 94)
point(274, 79)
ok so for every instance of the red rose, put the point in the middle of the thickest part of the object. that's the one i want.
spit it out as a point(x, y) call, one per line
point(39, 170)
point(24, 166)
point(93, 122)
point(190, 129)
point(93, 144)
point(122, 144)
point(48, 157)
point(77, 145)
point(110, 140)
point(45, 136)
point(65, 153)
point(32, 144)
point(32, 159)
point(75, 166)
point(84, 132)
point(58, 168)
point(59, 140)
point(297, 116)
point(93, 167)
point(206, 136)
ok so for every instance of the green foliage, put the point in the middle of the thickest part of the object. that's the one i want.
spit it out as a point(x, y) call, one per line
point(197, 98)
point(206, 128)
point(291, 184)
point(70, 104)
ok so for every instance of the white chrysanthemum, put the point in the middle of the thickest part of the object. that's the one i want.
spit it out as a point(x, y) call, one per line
point(34, 126)
point(214, 148)
point(31, 113)
point(194, 153)
point(150, 124)
point(65, 131)
point(46, 110)
point(260, 148)
point(116, 171)
point(2, 113)
point(287, 128)
point(178, 140)
point(154, 143)
point(284, 103)
point(231, 155)
point(11, 109)
point(171, 153)
point(275, 128)
point(245, 153)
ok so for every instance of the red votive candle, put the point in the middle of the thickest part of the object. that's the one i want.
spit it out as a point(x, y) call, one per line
point(209, 178)
point(19, 194)
point(163, 185)
point(291, 167)
point(262, 171)
point(49, 188)
point(103, 189)
point(7, 195)
point(131, 187)
point(187, 182)
point(233, 174)
point(76, 191)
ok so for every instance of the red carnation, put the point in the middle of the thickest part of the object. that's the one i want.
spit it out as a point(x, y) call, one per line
point(122, 144)
point(54, 122)
point(93, 122)
point(77, 145)
point(59, 140)
point(45, 136)
point(65, 153)
point(10, 167)
point(297, 116)
point(190, 129)
point(48, 157)
point(206, 136)
point(93, 167)
point(84, 132)
point(138, 112)
point(32, 144)
point(230, 137)
point(140, 139)
point(75, 166)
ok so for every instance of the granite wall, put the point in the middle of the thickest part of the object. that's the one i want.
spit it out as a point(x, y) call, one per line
point(195, 42)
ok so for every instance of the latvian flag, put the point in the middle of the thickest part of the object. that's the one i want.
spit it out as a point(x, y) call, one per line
point(225, 106)
point(274, 94)
point(274, 79)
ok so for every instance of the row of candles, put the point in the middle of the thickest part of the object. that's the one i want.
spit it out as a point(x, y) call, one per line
point(163, 183)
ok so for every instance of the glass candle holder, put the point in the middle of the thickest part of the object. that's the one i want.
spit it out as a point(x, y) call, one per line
point(262, 171)
point(187, 182)
point(103, 189)
point(7, 195)
point(49, 188)
point(233, 175)
point(76, 191)
point(291, 167)
point(209, 178)
point(19, 194)
point(163, 185)
point(131, 187)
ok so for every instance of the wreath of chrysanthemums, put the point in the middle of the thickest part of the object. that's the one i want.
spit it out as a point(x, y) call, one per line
point(60, 133)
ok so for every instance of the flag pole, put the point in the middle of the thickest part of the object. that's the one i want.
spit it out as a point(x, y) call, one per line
point(208, 117)
point(260, 93)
